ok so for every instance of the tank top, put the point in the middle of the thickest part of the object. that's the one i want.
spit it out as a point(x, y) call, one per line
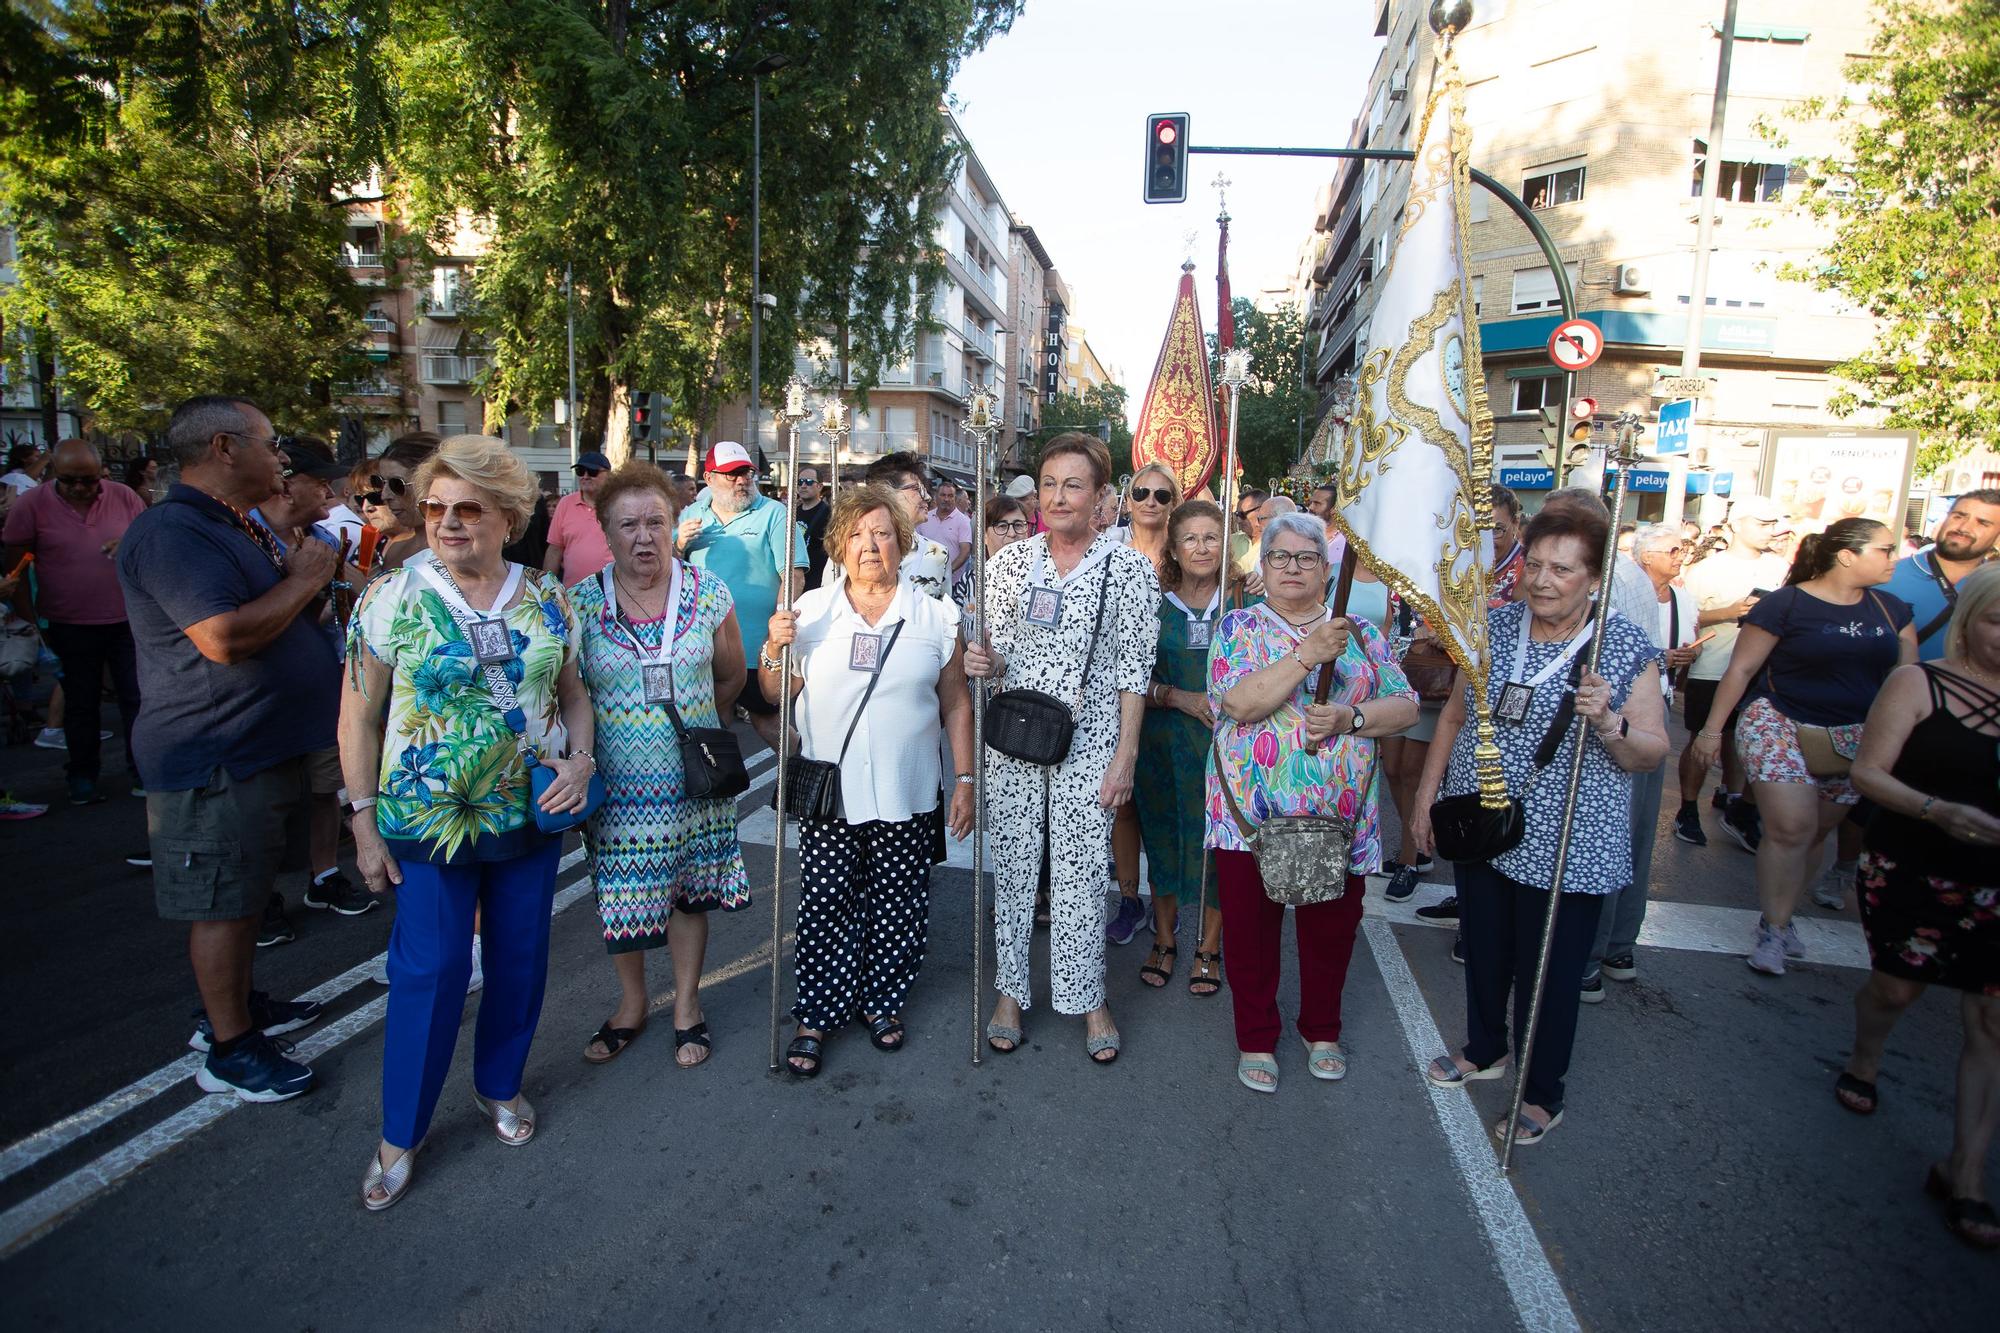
point(1952, 759)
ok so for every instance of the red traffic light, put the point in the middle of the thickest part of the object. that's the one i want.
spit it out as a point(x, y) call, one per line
point(1583, 409)
point(1165, 180)
point(1167, 133)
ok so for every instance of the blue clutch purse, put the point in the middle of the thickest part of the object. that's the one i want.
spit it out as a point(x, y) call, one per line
point(540, 775)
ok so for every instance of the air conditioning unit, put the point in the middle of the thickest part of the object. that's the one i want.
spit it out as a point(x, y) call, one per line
point(1632, 280)
point(1399, 85)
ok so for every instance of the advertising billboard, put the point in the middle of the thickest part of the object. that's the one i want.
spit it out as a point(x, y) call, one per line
point(1822, 476)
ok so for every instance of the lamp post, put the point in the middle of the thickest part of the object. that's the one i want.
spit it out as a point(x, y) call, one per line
point(770, 64)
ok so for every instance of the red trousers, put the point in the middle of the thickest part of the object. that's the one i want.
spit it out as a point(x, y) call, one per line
point(1252, 936)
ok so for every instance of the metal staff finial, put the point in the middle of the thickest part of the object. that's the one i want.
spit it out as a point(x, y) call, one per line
point(792, 416)
point(982, 425)
point(834, 426)
point(1221, 184)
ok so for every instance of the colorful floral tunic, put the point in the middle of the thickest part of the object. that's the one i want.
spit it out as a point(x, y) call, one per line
point(656, 850)
point(453, 785)
point(1265, 763)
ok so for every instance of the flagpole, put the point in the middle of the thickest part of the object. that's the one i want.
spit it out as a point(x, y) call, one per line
point(1628, 436)
point(793, 415)
point(981, 425)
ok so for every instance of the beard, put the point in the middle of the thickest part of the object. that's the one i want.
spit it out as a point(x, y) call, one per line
point(1959, 548)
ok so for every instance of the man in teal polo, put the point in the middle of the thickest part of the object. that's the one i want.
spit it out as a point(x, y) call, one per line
point(742, 536)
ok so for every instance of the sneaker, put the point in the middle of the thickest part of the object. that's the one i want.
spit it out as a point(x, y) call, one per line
point(82, 791)
point(1687, 827)
point(51, 738)
point(143, 860)
point(1795, 948)
point(258, 1070)
point(1125, 924)
point(276, 929)
point(1402, 883)
point(1444, 911)
point(1593, 990)
point(1831, 891)
point(1457, 948)
point(13, 809)
point(271, 1017)
point(1741, 823)
point(139, 792)
point(1425, 865)
point(1767, 955)
point(340, 894)
point(1619, 967)
point(1719, 799)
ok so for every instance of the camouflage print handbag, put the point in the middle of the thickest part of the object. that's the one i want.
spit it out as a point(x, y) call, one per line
point(1303, 859)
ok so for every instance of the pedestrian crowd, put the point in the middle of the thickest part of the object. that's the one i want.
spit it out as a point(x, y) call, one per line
point(425, 645)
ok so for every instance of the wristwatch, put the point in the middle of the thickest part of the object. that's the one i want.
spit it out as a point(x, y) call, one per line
point(1624, 728)
point(1360, 720)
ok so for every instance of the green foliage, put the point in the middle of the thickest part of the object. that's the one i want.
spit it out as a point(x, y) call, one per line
point(1087, 412)
point(173, 170)
point(1914, 201)
point(616, 137)
point(1276, 403)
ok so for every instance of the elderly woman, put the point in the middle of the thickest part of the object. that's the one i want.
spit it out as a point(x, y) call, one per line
point(1538, 682)
point(661, 653)
point(878, 670)
point(1074, 615)
point(1263, 672)
point(1930, 883)
point(1152, 496)
point(1173, 744)
point(475, 662)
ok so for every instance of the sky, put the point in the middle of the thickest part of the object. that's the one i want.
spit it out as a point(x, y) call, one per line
point(1056, 110)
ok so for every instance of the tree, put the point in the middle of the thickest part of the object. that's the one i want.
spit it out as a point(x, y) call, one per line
point(1087, 412)
point(1914, 201)
point(1277, 408)
point(614, 137)
point(174, 169)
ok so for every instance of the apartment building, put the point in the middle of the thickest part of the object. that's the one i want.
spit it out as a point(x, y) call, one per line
point(1598, 116)
point(1083, 371)
point(1032, 277)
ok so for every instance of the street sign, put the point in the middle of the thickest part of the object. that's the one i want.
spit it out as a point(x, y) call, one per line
point(1675, 421)
point(1576, 344)
point(1680, 386)
point(1528, 478)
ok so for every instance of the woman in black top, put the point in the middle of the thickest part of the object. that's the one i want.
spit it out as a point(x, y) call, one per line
point(1930, 882)
point(1809, 658)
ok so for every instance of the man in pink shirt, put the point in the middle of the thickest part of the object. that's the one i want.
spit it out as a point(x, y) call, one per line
point(951, 527)
point(73, 526)
point(577, 548)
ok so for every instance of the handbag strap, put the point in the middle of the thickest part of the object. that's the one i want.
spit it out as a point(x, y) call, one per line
point(1096, 626)
point(867, 694)
point(1229, 798)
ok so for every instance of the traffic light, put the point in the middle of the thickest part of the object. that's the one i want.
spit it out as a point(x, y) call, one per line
point(642, 415)
point(1552, 433)
point(1166, 158)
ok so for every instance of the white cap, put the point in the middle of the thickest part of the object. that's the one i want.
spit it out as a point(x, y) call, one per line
point(1021, 487)
point(1756, 509)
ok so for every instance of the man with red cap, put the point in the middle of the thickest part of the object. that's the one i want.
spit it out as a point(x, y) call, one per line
point(742, 536)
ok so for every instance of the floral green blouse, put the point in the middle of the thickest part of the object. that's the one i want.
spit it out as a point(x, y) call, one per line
point(453, 785)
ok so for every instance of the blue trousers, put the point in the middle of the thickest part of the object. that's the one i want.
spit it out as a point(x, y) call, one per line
point(430, 962)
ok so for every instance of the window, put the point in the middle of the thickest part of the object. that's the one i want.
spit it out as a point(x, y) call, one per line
point(1532, 395)
point(1478, 203)
point(1740, 182)
point(1550, 187)
point(451, 418)
point(1535, 289)
point(1478, 294)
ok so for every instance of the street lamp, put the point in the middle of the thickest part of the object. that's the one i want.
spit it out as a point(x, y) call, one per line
point(768, 65)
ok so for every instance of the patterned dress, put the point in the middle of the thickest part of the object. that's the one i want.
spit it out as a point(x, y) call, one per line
point(656, 851)
point(1173, 757)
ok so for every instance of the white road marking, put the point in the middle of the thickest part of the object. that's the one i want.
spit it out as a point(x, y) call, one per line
point(1539, 1299)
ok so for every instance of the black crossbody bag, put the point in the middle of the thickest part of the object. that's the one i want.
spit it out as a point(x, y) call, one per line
point(813, 785)
point(1035, 727)
point(711, 758)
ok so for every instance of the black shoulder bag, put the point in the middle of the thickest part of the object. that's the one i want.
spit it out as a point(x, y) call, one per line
point(711, 758)
point(813, 785)
point(1034, 727)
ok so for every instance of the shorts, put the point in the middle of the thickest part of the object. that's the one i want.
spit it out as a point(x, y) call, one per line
point(1701, 699)
point(1425, 727)
point(216, 849)
point(753, 699)
point(323, 772)
point(1769, 742)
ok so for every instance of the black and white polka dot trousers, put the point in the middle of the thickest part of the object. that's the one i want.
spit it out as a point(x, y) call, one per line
point(864, 909)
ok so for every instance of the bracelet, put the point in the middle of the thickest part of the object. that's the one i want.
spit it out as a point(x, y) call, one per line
point(585, 754)
point(1711, 735)
point(1302, 662)
point(359, 803)
point(1924, 811)
point(767, 664)
point(965, 779)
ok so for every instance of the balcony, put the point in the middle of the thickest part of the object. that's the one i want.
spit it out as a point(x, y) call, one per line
point(377, 322)
point(453, 369)
point(978, 340)
point(982, 221)
point(956, 453)
point(355, 256)
point(977, 283)
point(373, 387)
point(449, 304)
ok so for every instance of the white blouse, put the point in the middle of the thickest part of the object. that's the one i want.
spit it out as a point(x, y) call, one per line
point(891, 769)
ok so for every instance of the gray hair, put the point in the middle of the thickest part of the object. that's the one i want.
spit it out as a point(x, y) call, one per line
point(1303, 525)
point(195, 424)
point(1652, 535)
point(1279, 505)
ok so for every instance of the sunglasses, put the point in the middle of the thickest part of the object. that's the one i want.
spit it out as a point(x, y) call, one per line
point(391, 485)
point(590, 472)
point(468, 512)
point(1160, 493)
point(78, 482)
point(1247, 514)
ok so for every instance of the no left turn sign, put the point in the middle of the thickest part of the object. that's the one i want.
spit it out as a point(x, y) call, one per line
point(1576, 344)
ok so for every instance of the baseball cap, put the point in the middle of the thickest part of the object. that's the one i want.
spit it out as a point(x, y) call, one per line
point(594, 462)
point(1757, 509)
point(727, 456)
point(305, 460)
point(1021, 487)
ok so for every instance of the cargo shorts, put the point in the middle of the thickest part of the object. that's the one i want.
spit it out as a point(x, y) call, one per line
point(216, 849)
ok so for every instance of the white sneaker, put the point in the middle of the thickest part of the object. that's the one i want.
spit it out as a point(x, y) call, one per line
point(478, 978)
point(1831, 891)
point(51, 738)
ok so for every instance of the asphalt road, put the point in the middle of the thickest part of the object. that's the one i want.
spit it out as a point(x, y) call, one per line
point(1703, 1178)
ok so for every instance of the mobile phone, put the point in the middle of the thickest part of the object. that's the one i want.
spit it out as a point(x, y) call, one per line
point(1760, 592)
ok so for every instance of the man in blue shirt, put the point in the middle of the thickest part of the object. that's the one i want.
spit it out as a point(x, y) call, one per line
point(742, 536)
point(1929, 579)
point(238, 687)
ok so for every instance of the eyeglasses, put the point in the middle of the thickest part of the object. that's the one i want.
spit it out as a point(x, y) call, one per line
point(79, 483)
point(590, 472)
point(1247, 514)
point(1161, 493)
point(807, 481)
point(271, 441)
point(1299, 560)
point(377, 486)
point(467, 512)
point(1200, 541)
point(1020, 525)
point(916, 488)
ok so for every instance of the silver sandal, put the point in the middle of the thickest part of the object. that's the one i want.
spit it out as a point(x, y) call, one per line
point(512, 1127)
point(393, 1181)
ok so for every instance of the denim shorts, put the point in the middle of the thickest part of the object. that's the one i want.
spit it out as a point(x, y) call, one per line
point(216, 849)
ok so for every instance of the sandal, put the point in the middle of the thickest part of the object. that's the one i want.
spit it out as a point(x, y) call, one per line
point(1246, 1065)
point(393, 1180)
point(1325, 1061)
point(1445, 1073)
point(1153, 969)
point(1207, 974)
point(1971, 1220)
point(1856, 1094)
point(1531, 1131)
point(613, 1040)
point(694, 1036)
point(1096, 1047)
point(999, 1032)
point(881, 1029)
point(512, 1125)
point(804, 1048)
